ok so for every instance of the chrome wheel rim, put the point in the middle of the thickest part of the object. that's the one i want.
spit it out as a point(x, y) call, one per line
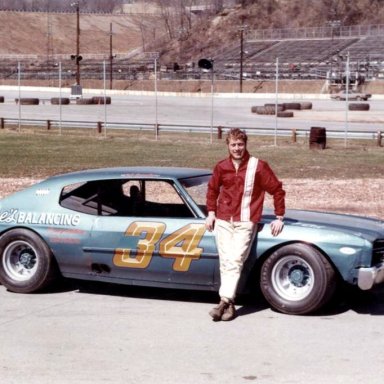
point(20, 260)
point(293, 278)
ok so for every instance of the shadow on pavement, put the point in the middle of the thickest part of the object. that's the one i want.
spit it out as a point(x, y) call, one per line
point(347, 298)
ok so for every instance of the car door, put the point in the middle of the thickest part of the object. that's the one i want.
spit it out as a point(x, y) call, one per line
point(162, 243)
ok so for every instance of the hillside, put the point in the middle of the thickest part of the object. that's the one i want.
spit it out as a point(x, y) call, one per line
point(27, 33)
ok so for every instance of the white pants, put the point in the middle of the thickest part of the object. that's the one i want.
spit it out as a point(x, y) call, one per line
point(234, 240)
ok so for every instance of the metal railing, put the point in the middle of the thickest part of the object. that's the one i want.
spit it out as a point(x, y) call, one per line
point(218, 130)
point(325, 32)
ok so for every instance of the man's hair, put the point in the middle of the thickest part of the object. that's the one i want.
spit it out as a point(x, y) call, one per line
point(236, 134)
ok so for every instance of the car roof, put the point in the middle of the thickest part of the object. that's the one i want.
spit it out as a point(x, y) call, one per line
point(131, 172)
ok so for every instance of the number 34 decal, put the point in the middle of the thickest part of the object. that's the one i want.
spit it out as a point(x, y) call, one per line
point(181, 245)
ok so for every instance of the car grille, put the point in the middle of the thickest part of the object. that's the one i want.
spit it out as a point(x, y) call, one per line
point(378, 252)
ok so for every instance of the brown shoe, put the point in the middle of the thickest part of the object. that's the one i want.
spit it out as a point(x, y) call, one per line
point(217, 312)
point(229, 313)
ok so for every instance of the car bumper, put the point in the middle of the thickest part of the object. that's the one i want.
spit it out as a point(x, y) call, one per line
point(368, 277)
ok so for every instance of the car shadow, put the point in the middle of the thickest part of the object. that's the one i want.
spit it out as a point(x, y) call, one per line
point(351, 298)
point(246, 304)
point(347, 298)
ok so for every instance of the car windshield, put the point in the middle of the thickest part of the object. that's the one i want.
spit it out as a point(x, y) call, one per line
point(197, 189)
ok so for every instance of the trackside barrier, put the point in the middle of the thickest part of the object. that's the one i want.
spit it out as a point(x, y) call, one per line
point(184, 128)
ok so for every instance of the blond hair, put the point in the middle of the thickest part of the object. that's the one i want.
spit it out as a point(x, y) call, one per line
point(236, 134)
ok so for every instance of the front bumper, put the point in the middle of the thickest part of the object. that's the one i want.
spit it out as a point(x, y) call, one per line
point(368, 277)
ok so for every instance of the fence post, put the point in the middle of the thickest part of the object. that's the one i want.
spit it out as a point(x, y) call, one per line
point(379, 137)
point(219, 132)
point(99, 127)
point(294, 135)
point(48, 125)
point(157, 129)
point(2, 123)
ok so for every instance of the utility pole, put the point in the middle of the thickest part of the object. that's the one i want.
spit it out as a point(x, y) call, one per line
point(78, 57)
point(76, 89)
point(49, 42)
point(110, 57)
point(241, 57)
point(241, 29)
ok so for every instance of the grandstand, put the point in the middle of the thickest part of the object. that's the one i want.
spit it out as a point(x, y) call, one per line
point(305, 53)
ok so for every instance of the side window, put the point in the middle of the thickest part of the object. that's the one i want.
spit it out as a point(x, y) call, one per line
point(150, 198)
point(162, 200)
point(103, 198)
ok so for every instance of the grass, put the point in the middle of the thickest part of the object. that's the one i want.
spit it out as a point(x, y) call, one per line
point(35, 153)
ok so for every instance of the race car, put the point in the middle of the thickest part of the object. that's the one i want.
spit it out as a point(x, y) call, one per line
point(146, 226)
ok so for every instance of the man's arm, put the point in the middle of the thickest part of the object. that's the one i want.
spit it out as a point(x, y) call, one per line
point(212, 195)
point(275, 188)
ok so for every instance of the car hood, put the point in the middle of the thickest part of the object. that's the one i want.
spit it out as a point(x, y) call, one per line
point(368, 228)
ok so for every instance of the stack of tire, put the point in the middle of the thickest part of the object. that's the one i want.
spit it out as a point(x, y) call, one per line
point(63, 100)
point(28, 101)
point(58, 101)
point(281, 110)
point(94, 100)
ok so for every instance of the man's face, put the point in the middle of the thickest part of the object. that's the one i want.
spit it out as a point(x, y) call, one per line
point(236, 148)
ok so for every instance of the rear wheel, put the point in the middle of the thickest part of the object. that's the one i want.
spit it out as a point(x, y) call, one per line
point(297, 279)
point(26, 262)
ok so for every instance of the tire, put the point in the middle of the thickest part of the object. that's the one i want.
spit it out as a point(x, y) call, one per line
point(280, 107)
point(1, 99)
point(101, 100)
point(262, 110)
point(306, 105)
point(85, 101)
point(295, 106)
point(57, 100)
point(26, 262)
point(285, 114)
point(28, 101)
point(297, 279)
point(358, 106)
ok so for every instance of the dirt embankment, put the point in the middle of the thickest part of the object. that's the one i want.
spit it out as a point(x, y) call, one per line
point(358, 196)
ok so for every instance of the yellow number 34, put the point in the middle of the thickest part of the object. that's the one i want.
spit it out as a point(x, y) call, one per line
point(181, 245)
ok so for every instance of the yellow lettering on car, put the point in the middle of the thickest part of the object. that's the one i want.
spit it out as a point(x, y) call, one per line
point(181, 245)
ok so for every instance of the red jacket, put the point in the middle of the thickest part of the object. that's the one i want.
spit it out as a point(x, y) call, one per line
point(228, 197)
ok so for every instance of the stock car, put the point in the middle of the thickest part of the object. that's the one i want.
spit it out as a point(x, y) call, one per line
point(146, 226)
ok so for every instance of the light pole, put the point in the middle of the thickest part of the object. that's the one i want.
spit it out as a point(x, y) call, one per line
point(110, 57)
point(155, 57)
point(77, 56)
point(207, 65)
point(241, 56)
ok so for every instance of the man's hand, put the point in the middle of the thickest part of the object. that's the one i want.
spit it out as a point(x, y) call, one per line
point(210, 221)
point(276, 227)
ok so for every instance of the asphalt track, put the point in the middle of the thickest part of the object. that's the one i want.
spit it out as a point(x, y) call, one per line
point(222, 110)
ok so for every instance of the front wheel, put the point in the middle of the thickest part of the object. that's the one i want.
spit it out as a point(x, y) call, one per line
point(26, 262)
point(297, 279)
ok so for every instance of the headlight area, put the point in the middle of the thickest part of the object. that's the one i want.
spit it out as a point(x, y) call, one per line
point(378, 252)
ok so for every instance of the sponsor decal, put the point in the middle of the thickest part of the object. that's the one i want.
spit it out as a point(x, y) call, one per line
point(14, 216)
point(42, 192)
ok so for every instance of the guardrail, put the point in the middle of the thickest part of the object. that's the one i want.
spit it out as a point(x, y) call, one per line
point(218, 130)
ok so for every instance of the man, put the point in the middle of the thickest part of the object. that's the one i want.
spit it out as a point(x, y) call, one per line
point(235, 200)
